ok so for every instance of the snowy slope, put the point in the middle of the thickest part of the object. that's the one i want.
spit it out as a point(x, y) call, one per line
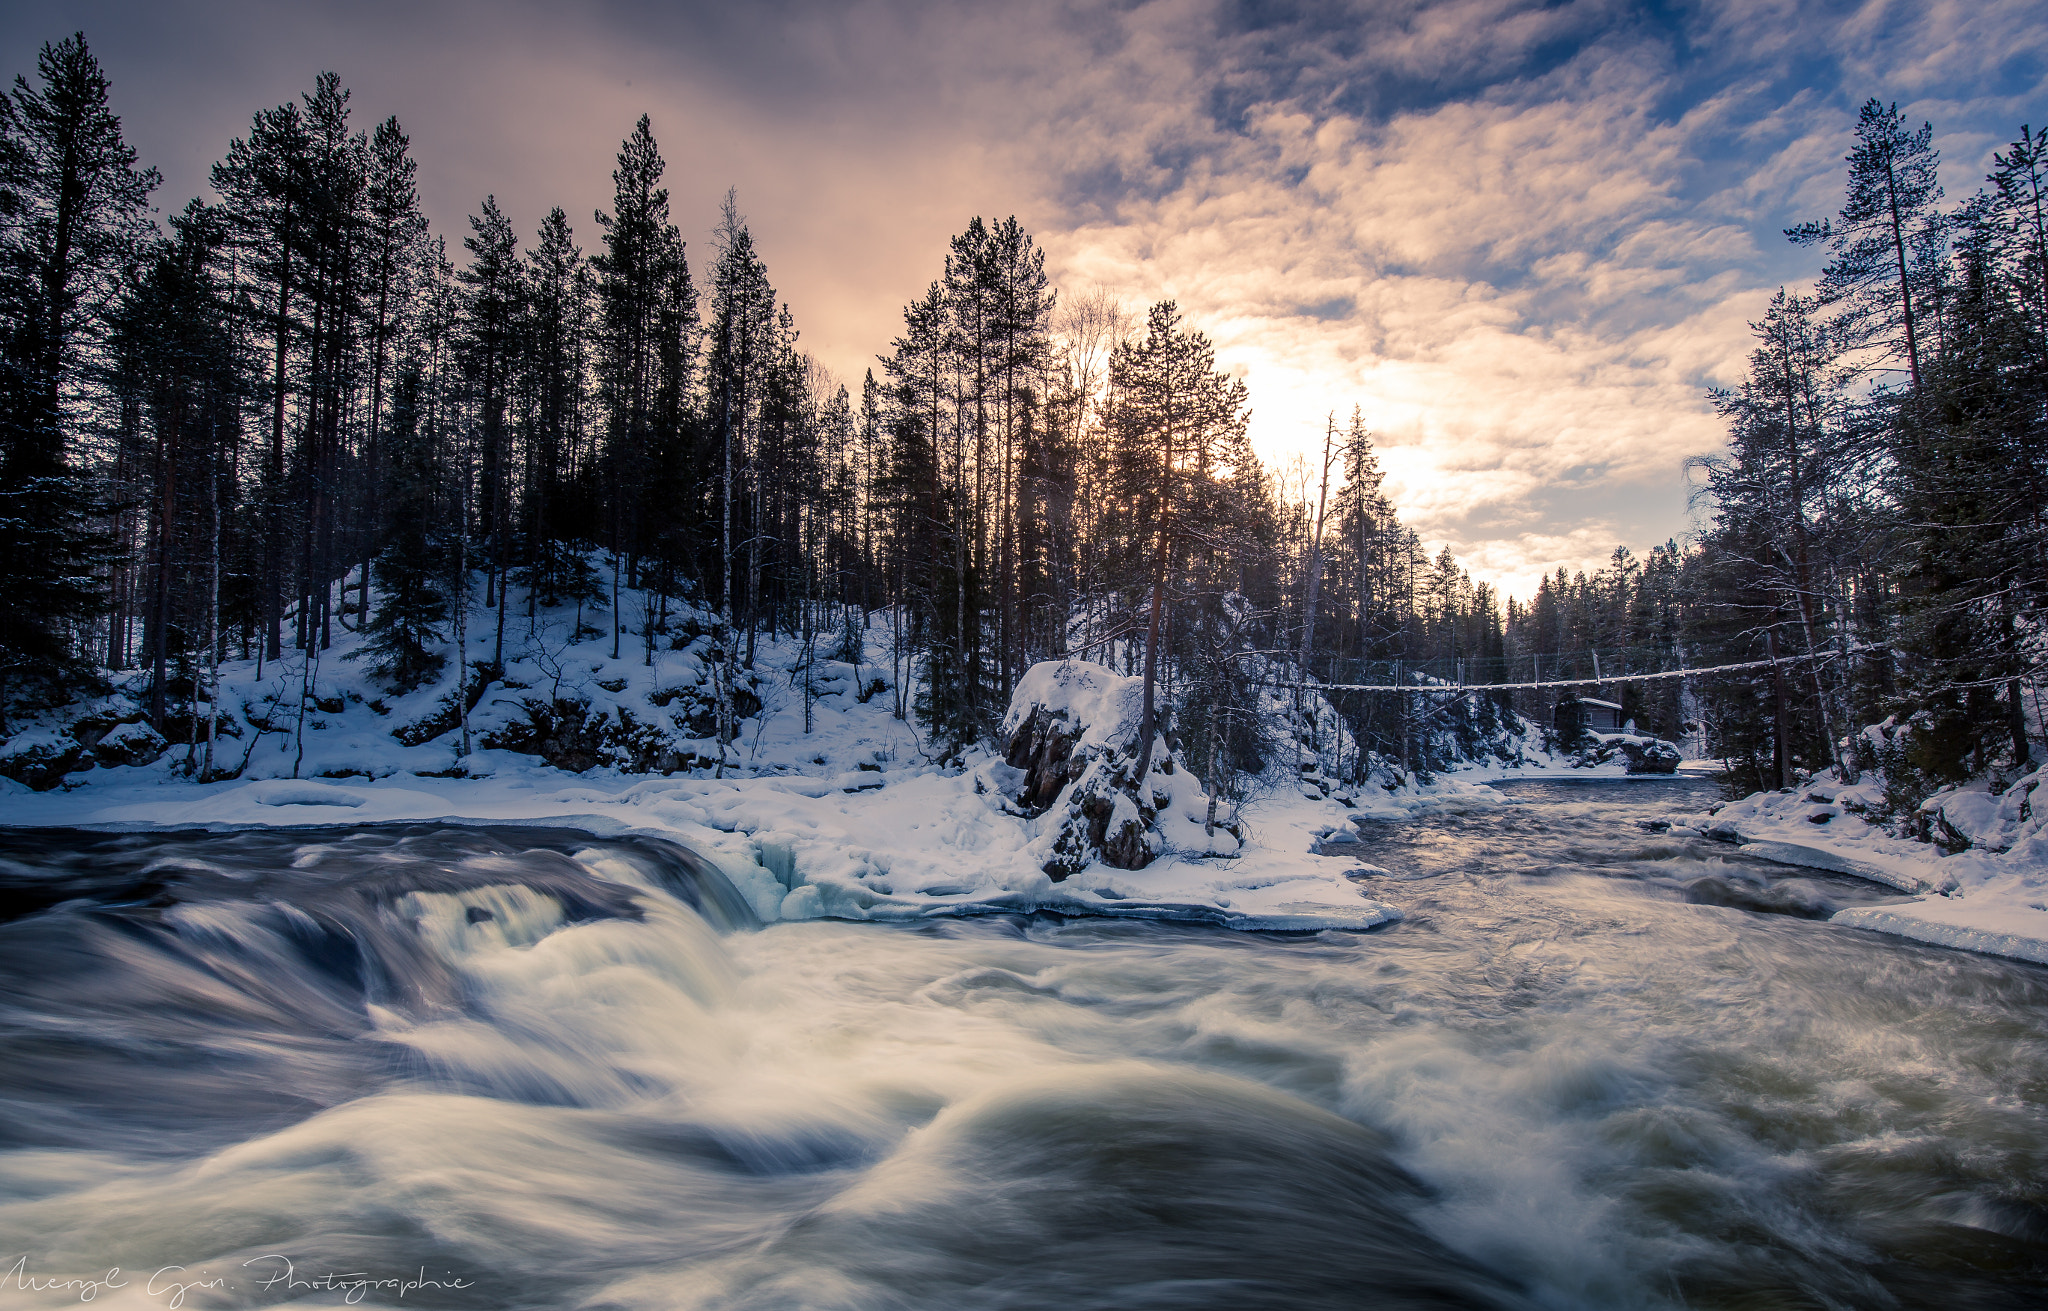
point(849, 819)
point(854, 818)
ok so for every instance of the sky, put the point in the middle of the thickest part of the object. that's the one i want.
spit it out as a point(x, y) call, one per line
point(1523, 238)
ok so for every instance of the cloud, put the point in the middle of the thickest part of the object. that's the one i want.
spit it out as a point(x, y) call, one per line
point(1524, 235)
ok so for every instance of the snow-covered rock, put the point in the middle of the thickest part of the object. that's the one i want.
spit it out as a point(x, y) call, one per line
point(40, 757)
point(1982, 879)
point(1072, 732)
point(129, 745)
point(1972, 819)
point(1641, 753)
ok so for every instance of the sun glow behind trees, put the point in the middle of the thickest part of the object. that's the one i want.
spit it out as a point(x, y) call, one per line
point(294, 409)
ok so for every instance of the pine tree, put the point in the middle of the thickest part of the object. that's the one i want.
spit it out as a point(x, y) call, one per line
point(639, 289)
point(77, 214)
point(405, 634)
point(1180, 426)
point(179, 366)
point(558, 325)
point(1880, 239)
point(395, 231)
point(741, 353)
point(493, 308)
point(264, 184)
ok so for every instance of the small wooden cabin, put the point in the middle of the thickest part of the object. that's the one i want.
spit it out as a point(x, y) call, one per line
point(1584, 714)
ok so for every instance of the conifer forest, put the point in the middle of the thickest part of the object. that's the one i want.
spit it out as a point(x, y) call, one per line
point(1114, 655)
point(236, 426)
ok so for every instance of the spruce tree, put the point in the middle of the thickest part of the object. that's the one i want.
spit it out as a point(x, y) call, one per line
point(395, 232)
point(493, 306)
point(180, 370)
point(558, 328)
point(741, 352)
point(1180, 427)
point(405, 634)
point(265, 187)
point(77, 215)
point(1878, 241)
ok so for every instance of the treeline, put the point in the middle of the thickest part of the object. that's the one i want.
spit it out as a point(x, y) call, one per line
point(226, 437)
point(1876, 525)
point(1881, 506)
point(293, 410)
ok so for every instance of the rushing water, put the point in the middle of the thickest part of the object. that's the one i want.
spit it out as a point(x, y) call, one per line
point(540, 1070)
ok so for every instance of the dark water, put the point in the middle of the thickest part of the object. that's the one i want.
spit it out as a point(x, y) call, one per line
point(1588, 1070)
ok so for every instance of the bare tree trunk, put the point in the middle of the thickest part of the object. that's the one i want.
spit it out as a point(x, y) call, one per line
point(754, 570)
point(1148, 722)
point(618, 624)
point(273, 563)
point(1215, 740)
point(212, 615)
point(810, 635)
point(1314, 585)
point(1780, 729)
point(896, 646)
point(462, 600)
point(498, 650)
point(161, 618)
point(725, 636)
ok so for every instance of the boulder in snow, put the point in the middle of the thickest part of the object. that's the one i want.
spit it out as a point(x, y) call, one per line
point(1649, 755)
point(129, 744)
point(1965, 819)
point(1072, 729)
point(40, 757)
point(1643, 754)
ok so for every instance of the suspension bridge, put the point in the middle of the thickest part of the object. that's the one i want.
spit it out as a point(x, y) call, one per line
point(1458, 682)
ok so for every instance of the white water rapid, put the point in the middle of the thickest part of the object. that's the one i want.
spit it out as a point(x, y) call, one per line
point(508, 1068)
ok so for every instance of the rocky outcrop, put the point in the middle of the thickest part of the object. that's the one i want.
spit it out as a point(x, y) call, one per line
point(108, 730)
point(571, 735)
point(40, 758)
point(129, 744)
point(1650, 756)
point(1977, 819)
point(1072, 730)
point(1070, 741)
point(1042, 745)
point(1644, 755)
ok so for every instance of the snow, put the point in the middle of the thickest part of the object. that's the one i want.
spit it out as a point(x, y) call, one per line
point(304, 794)
point(923, 844)
point(1109, 704)
point(1449, 795)
point(855, 819)
point(851, 820)
point(1991, 897)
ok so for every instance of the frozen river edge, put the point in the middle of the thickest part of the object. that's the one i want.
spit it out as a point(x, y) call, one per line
point(1934, 919)
point(917, 844)
point(909, 845)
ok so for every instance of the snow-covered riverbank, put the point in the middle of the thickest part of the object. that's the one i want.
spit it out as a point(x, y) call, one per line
point(1991, 897)
point(902, 843)
point(835, 808)
point(913, 842)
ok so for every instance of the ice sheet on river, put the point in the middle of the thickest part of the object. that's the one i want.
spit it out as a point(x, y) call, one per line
point(911, 843)
point(1992, 897)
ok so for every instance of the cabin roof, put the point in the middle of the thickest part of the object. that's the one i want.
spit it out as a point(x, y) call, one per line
point(1591, 701)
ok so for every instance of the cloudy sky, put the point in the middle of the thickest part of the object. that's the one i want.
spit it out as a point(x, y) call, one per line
point(1524, 237)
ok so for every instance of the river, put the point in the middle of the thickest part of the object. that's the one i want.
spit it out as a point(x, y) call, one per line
point(522, 1068)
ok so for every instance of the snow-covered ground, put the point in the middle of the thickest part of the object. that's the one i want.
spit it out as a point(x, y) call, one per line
point(851, 816)
point(847, 817)
point(912, 843)
point(1991, 897)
